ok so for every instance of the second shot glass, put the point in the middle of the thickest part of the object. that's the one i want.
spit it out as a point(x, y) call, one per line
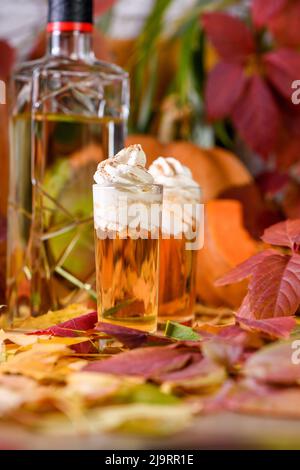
point(182, 237)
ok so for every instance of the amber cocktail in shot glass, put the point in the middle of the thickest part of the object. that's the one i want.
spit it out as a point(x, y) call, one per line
point(182, 237)
point(127, 222)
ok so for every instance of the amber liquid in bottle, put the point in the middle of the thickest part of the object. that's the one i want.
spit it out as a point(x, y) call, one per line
point(66, 120)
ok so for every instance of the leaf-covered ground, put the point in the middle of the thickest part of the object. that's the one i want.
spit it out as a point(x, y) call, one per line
point(74, 376)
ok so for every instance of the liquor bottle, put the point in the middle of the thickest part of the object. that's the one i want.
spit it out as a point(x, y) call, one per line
point(69, 112)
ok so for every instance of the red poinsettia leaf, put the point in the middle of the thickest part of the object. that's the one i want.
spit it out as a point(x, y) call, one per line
point(285, 26)
point(224, 86)
point(282, 68)
point(285, 233)
point(71, 328)
point(146, 362)
point(230, 36)
point(274, 288)
point(101, 6)
point(130, 337)
point(264, 10)
point(274, 364)
point(244, 269)
point(256, 116)
point(8, 56)
point(280, 327)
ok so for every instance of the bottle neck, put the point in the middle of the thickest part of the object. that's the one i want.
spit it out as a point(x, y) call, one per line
point(75, 45)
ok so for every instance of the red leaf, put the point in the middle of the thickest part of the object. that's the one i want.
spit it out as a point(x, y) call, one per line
point(285, 26)
point(244, 269)
point(224, 86)
point(147, 362)
point(291, 201)
point(232, 39)
point(234, 334)
point(291, 118)
point(131, 337)
point(256, 116)
point(225, 352)
point(274, 289)
point(272, 183)
point(202, 369)
point(231, 334)
point(263, 10)
point(288, 148)
point(258, 399)
point(282, 68)
point(8, 56)
point(285, 233)
point(86, 347)
point(280, 327)
point(101, 6)
point(71, 328)
point(245, 309)
point(274, 364)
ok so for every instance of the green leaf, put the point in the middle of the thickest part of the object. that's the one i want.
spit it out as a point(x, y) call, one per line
point(147, 393)
point(296, 331)
point(111, 311)
point(145, 71)
point(76, 282)
point(184, 333)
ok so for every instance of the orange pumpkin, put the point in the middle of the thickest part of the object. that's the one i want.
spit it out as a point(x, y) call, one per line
point(216, 170)
point(226, 244)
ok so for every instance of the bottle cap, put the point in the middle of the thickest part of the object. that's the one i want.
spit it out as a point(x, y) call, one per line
point(70, 15)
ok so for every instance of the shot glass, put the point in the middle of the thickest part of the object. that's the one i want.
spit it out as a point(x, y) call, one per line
point(127, 223)
point(182, 237)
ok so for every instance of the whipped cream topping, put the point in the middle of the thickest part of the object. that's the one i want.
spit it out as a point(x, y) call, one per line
point(181, 194)
point(124, 196)
point(128, 167)
point(170, 173)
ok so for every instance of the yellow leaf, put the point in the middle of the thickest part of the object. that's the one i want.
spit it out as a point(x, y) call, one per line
point(154, 420)
point(51, 318)
point(16, 391)
point(37, 363)
point(94, 386)
point(18, 338)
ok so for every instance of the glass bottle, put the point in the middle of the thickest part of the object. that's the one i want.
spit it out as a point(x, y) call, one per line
point(69, 112)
